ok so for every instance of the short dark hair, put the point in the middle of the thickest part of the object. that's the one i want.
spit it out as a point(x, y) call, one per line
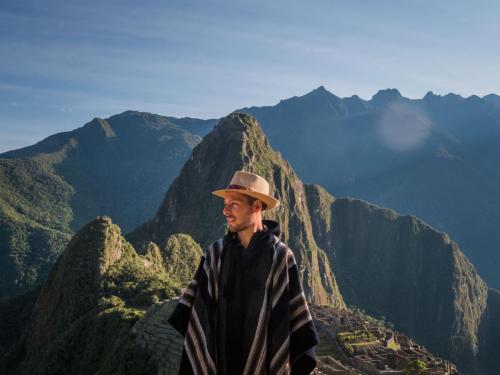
point(251, 199)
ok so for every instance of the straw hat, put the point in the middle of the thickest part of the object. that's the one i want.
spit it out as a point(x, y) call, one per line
point(250, 184)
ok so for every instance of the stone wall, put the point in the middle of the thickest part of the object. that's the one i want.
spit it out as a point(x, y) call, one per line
point(154, 333)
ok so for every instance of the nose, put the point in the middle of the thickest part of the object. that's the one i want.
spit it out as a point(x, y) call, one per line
point(225, 210)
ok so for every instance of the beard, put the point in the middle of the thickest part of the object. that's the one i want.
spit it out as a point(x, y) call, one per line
point(238, 227)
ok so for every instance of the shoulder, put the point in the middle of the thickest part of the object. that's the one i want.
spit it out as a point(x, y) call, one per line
point(214, 248)
point(283, 251)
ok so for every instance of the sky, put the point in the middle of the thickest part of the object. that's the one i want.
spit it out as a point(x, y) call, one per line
point(65, 62)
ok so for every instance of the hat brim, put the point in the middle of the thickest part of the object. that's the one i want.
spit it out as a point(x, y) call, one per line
point(270, 202)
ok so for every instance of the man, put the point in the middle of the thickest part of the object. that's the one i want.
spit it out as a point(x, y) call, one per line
point(245, 312)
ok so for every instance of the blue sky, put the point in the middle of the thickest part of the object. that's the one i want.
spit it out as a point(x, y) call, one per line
point(65, 62)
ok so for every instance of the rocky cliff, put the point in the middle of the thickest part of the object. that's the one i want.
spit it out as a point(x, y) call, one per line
point(399, 267)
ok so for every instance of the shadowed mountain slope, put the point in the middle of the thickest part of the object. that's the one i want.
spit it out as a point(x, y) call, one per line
point(399, 267)
point(435, 158)
point(120, 167)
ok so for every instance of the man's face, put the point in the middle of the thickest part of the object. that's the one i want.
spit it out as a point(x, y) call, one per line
point(239, 213)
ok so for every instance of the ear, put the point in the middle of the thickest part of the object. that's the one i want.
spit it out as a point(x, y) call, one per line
point(258, 204)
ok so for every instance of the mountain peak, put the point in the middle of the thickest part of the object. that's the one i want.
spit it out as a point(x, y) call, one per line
point(319, 102)
point(491, 96)
point(96, 129)
point(95, 248)
point(452, 95)
point(321, 91)
point(386, 96)
point(237, 142)
point(73, 285)
point(492, 99)
point(429, 95)
point(238, 122)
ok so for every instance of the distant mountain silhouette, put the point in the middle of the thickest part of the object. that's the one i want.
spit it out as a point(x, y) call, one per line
point(493, 99)
point(435, 158)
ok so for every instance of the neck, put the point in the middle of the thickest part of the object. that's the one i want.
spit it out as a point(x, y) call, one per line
point(246, 235)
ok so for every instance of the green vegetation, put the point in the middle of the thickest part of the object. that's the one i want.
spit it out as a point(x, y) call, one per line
point(356, 335)
point(379, 322)
point(106, 288)
point(132, 281)
point(120, 167)
point(393, 345)
point(415, 367)
point(347, 347)
point(345, 339)
point(35, 218)
point(100, 342)
point(181, 256)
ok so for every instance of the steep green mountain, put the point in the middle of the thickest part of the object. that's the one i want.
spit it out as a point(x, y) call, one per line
point(35, 217)
point(435, 158)
point(81, 320)
point(238, 143)
point(399, 267)
point(49, 190)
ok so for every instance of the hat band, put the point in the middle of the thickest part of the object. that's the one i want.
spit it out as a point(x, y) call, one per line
point(239, 187)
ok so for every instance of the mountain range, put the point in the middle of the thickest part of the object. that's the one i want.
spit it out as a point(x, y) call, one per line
point(120, 167)
point(435, 158)
point(352, 251)
point(432, 157)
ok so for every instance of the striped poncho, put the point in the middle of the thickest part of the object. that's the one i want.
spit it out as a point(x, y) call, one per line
point(281, 337)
